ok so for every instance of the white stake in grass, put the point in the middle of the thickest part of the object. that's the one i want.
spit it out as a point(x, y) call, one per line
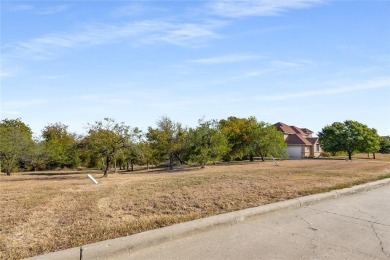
point(92, 178)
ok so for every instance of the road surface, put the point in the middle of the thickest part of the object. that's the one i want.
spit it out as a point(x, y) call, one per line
point(350, 227)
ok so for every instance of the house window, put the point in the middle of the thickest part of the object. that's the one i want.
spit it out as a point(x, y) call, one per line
point(318, 148)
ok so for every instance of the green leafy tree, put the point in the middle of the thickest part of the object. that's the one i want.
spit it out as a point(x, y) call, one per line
point(348, 136)
point(264, 140)
point(107, 138)
point(206, 142)
point(167, 140)
point(238, 134)
point(132, 152)
point(249, 138)
point(385, 145)
point(371, 142)
point(15, 142)
point(38, 156)
point(146, 154)
point(61, 146)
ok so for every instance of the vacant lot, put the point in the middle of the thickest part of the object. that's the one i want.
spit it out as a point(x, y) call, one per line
point(53, 211)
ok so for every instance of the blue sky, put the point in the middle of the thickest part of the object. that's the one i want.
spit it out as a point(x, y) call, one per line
point(307, 63)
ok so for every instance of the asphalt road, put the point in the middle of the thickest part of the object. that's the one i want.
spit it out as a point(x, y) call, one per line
point(350, 227)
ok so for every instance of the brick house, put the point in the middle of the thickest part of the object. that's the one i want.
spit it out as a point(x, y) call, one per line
point(300, 143)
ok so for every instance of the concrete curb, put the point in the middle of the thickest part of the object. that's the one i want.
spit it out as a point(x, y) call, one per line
point(109, 248)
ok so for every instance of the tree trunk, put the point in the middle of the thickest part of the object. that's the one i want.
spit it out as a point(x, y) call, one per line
point(180, 160)
point(349, 155)
point(107, 167)
point(132, 165)
point(147, 164)
point(262, 157)
point(115, 166)
point(171, 161)
point(127, 165)
point(373, 155)
point(251, 158)
point(8, 169)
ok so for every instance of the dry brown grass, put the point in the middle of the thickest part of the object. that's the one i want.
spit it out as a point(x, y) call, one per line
point(48, 212)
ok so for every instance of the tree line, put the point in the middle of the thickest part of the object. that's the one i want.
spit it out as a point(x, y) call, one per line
point(109, 143)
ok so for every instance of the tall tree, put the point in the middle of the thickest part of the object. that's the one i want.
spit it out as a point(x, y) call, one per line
point(61, 146)
point(15, 142)
point(264, 140)
point(371, 142)
point(106, 138)
point(238, 134)
point(349, 136)
point(167, 140)
point(206, 142)
point(132, 152)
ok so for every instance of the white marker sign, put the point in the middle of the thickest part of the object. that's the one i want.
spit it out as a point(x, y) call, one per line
point(92, 178)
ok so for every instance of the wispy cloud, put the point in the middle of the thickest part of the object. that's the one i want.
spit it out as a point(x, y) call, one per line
point(53, 10)
point(20, 7)
point(5, 74)
point(232, 58)
point(144, 32)
point(134, 8)
point(234, 8)
point(272, 66)
point(376, 83)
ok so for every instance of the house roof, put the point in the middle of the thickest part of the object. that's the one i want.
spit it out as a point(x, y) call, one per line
point(307, 131)
point(286, 129)
point(298, 130)
point(296, 139)
point(312, 140)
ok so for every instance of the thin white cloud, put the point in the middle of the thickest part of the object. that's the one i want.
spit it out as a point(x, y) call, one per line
point(5, 74)
point(240, 8)
point(273, 66)
point(144, 32)
point(20, 7)
point(134, 8)
point(232, 58)
point(383, 82)
point(53, 10)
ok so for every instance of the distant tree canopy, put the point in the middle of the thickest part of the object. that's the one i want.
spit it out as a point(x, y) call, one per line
point(15, 142)
point(385, 145)
point(60, 146)
point(206, 142)
point(106, 138)
point(167, 140)
point(249, 138)
point(108, 144)
point(349, 136)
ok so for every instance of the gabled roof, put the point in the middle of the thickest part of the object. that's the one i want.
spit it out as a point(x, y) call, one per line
point(307, 131)
point(296, 139)
point(312, 140)
point(286, 129)
point(298, 130)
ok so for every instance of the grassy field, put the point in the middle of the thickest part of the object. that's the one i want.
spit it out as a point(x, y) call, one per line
point(43, 212)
